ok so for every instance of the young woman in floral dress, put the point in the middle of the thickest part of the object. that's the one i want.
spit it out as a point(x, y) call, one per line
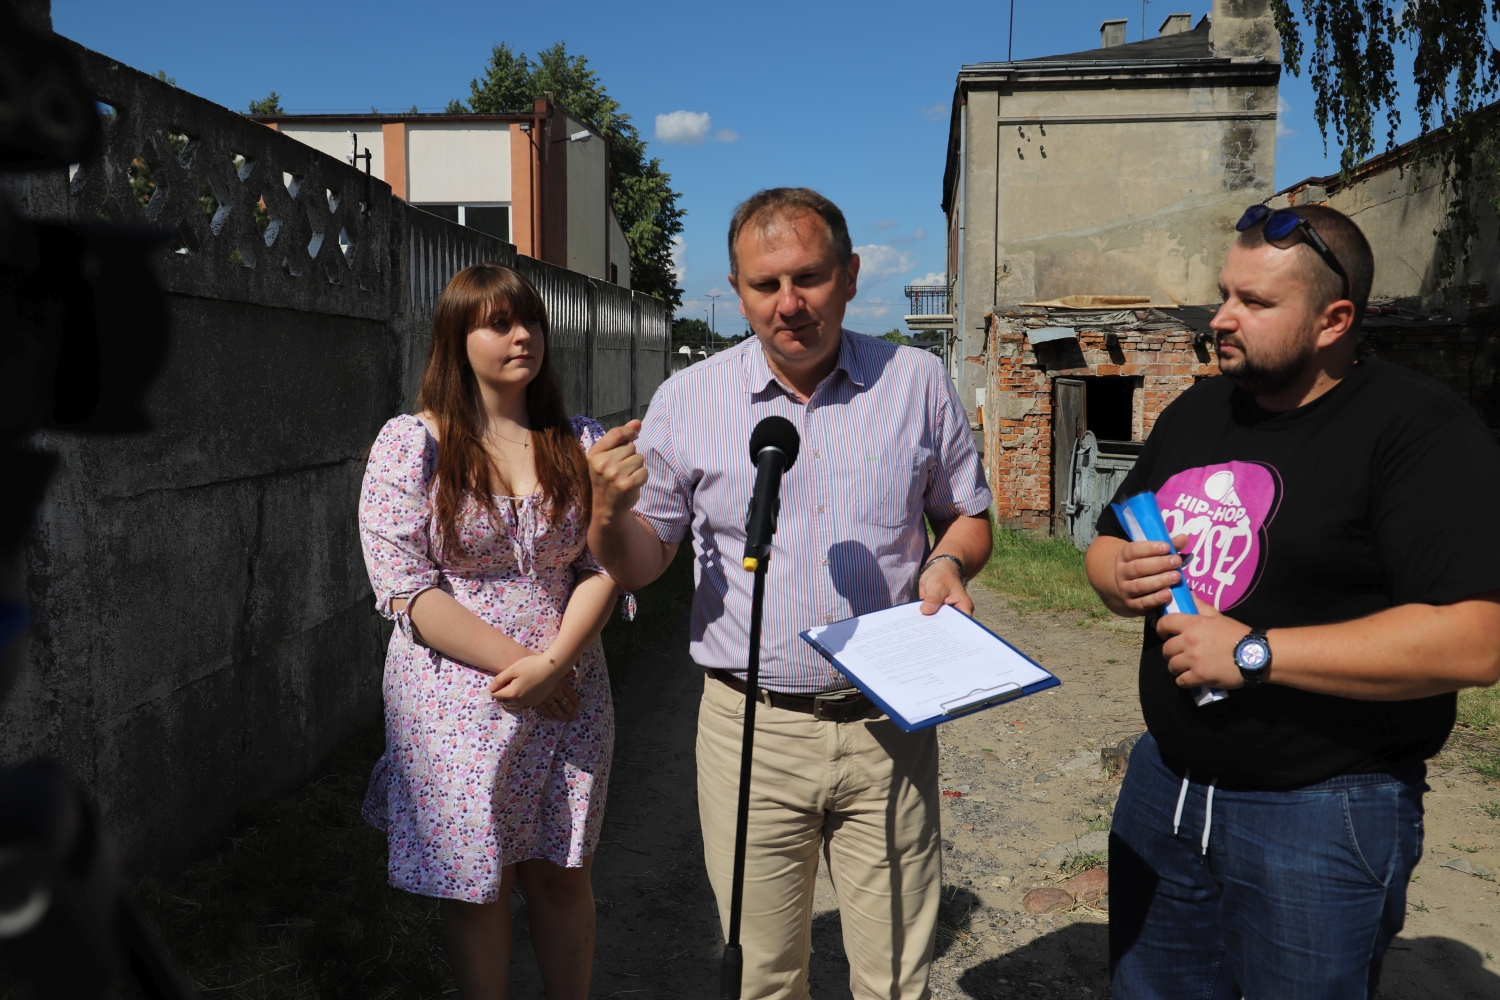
point(499, 722)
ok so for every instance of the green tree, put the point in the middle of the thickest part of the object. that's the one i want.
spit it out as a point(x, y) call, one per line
point(641, 191)
point(690, 332)
point(268, 105)
point(895, 336)
point(1354, 68)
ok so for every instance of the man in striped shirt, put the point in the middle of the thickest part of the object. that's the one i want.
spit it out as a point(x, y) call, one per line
point(885, 441)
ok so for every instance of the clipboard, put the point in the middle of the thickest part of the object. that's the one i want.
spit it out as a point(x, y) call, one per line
point(996, 671)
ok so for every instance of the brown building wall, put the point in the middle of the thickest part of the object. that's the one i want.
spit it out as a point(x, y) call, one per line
point(1161, 359)
point(393, 138)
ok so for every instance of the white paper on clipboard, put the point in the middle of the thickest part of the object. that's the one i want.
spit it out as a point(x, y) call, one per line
point(923, 667)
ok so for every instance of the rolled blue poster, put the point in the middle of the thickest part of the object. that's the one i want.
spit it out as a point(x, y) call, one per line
point(1140, 516)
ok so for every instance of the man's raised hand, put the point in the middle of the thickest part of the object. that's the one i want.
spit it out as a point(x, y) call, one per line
point(617, 470)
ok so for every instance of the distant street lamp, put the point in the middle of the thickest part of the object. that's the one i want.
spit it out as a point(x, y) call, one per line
point(712, 315)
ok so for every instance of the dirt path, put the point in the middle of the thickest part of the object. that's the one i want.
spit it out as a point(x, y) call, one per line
point(1027, 781)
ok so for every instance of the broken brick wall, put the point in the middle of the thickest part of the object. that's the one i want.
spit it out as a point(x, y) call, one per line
point(1159, 354)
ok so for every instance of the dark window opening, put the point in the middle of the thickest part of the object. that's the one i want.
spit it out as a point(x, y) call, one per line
point(490, 220)
point(614, 274)
point(1111, 406)
point(449, 212)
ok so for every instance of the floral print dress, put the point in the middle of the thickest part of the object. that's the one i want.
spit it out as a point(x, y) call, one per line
point(466, 787)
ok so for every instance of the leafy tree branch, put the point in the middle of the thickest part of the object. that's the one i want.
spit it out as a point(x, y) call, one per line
point(1353, 68)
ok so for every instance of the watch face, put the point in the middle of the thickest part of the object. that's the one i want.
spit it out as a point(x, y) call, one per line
point(1253, 654)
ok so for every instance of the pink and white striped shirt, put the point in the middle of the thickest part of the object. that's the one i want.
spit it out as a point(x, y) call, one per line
point(884, 440)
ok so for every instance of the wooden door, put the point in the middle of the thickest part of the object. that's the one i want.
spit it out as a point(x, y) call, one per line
point(1070, 419)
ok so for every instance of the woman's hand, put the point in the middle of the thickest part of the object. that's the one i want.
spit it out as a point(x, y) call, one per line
point(536, 681)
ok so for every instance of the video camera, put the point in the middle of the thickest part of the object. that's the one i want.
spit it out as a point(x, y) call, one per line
point(83, 331)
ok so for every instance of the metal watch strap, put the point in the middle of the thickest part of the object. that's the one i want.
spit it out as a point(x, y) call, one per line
point(953, 559)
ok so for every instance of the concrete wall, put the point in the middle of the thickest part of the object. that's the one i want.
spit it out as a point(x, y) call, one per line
point(458, 164)
point(619, 250)
point(1117, 205)
point(1400, 211)
point(588, 206)
point(204, 630)
point(333, 139)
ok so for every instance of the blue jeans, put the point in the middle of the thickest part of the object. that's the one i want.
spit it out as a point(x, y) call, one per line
point(1218, 893)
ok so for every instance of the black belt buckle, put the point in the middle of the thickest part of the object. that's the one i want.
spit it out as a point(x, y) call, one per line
point(833, 699)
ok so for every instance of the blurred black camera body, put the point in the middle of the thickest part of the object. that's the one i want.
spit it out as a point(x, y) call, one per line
point(83, 333)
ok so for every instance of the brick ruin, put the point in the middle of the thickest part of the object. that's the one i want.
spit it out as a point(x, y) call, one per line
point(1134, 362)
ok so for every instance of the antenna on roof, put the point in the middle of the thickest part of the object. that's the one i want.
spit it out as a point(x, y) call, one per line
point(1010, 36)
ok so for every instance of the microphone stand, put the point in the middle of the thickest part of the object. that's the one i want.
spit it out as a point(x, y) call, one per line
point(731, 971)
point(773, 448)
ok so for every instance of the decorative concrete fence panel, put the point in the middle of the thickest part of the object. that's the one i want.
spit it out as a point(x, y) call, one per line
point(204, 632)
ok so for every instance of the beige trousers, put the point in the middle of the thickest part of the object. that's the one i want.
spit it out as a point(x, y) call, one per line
point(867, 794)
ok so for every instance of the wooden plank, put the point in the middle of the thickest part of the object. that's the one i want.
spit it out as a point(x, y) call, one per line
point(1069, 421)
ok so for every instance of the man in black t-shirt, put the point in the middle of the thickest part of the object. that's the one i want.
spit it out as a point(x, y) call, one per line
point(1263, 842)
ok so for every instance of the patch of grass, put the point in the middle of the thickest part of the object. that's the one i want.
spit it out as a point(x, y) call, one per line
point(955, 921)
point(1491, 809)
point(1479, 710)
point(1041, 574)
point(1476, 734)
point(296, 903)
point(1079, 863)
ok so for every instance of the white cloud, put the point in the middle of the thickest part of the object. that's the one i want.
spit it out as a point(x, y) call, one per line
point(935, 112)
point(683, 128)
point(879, 261)
point(726, 135)
point(912, 237)
point(886, 223)
point(933, 278)
point(679, 259)
point(869, 309)
point(1283, 110)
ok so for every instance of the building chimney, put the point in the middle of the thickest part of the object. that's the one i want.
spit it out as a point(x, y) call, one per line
point(1176, 24)
point(1112, 33)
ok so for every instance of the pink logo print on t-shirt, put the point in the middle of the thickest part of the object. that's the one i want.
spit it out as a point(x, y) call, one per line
point(1223, 509)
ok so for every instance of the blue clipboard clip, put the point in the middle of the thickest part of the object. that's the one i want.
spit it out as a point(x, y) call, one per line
point(986, 697)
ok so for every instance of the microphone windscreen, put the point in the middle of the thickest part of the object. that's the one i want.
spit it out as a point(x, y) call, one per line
point(775, 432)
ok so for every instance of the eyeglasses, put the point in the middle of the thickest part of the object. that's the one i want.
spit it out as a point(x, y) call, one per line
point(1282, 223)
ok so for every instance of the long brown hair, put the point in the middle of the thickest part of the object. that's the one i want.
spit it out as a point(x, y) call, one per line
point(496, 296)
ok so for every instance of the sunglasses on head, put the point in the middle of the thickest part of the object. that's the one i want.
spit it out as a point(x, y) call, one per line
point(1281, 224)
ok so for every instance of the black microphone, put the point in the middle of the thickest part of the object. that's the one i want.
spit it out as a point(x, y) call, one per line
point(773, 448)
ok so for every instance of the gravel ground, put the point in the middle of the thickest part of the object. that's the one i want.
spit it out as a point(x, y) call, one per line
point(1022, 779)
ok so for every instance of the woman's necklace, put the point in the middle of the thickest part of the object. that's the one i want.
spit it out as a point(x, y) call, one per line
point(524, 444)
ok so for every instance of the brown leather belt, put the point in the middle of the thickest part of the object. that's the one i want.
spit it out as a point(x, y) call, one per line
point(830, 706)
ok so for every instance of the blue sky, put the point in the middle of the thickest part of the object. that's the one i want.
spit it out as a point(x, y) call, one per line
point(849, 98)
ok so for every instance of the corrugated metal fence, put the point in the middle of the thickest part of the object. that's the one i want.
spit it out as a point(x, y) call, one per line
point(609, 344)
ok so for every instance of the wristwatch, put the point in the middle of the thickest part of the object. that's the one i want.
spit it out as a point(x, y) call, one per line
point(1252, 655)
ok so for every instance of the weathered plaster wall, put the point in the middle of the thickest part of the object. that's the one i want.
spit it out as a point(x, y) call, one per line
point(587, 203)
point(1096, 197)
point(976, 288)
point(1399, 211)
point(1018, 409)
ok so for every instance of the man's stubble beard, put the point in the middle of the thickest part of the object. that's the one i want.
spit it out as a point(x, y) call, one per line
point(1268, 373)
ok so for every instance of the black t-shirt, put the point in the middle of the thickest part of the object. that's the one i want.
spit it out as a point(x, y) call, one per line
point(1381, 492)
